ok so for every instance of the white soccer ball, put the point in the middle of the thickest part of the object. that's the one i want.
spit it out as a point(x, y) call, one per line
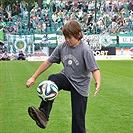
point(47, 90)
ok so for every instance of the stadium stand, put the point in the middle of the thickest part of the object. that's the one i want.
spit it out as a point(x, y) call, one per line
point(112, 17)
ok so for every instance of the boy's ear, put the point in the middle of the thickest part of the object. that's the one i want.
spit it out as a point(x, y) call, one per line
point(80, 35)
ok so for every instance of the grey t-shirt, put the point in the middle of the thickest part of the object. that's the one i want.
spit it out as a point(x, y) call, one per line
point(78, 63)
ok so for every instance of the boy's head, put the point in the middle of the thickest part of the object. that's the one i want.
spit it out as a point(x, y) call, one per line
point(72, 28)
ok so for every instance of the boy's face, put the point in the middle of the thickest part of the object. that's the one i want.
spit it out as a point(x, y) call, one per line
point(72, 41)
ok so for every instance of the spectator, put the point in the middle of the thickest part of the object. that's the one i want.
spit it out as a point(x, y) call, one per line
point(22, 6)
point(25, 13)
point(15, 27)
point(9, 10)
point(5, 56)
point(43, 26)
point(10, 30)
point(126, 25)
point(2, 23)
point(131, 20)
point(54, 17)
point(39, 27)
point(33, 23)
point(21, 56)
point(16, 6)
point(44, 16)
point(48, 22)
point(38, 14)
point(1, 13)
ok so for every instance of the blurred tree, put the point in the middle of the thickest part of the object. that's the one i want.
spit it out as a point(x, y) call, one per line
point(40, 3)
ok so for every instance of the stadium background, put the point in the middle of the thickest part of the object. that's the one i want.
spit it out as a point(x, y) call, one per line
point(35, 28)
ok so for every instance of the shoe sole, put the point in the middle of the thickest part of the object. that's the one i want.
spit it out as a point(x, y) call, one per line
point(34, 115)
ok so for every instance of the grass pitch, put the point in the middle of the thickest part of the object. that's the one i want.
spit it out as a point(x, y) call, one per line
point(110, 112)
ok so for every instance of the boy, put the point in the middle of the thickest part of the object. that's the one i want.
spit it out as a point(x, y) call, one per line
point(79, 62)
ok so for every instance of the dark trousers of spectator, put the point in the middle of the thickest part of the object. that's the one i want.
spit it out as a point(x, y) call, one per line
point(21, 58)
point(78, 102)
point(4, 59)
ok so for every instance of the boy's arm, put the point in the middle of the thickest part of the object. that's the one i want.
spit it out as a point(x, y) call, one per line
point(97, 78)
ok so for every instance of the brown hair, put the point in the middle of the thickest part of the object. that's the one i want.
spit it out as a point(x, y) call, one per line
point(72, 28)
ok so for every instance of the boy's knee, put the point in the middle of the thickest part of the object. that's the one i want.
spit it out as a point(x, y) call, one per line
point(51, 77)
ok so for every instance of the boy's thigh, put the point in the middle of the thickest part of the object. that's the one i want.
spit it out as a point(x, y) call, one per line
point(61, 81)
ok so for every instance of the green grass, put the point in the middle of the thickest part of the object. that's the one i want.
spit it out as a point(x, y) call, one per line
point(110, 112)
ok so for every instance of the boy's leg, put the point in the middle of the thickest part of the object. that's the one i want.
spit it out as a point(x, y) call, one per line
point(46, 107)
point(41, 115)
point(62, 82)
point(79, 104)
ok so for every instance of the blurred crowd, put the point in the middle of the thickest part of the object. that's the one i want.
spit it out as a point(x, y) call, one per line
point(109, 16)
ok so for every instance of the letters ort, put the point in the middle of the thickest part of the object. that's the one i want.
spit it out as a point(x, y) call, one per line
point(100, 53)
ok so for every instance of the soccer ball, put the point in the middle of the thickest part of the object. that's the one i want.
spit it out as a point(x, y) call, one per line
point(47, 90)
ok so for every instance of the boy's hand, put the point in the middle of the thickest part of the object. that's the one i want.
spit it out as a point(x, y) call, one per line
point(97, 88)
point(30, 82)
